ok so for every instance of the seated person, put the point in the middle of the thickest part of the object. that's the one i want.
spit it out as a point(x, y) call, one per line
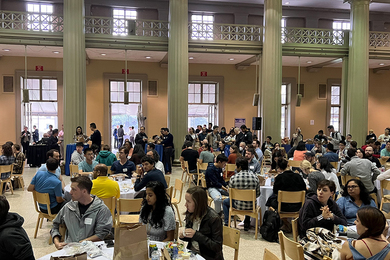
point(86, 217)
point(14, 240)
point(138, 154)
point(148, 173)
point(103, 187)
point(77, 155)
point(355, 196)
point(254, 164)
point(7, 156)
point(216, 185)
point(385, 152)
point(191, 156)
point(53, 153)
point(203, 226)
point(89, 163)
point(299, 152)
point(201, 148)
point(328, 171)
point(223, 148)
point(320, 210)
point(158, 164)
point(106, 156)
point(206, 156)
point(19, 159)
point(157, 213)
point(330, 154)
point(313, 176)
point(318, 148)
point(243, 180)
point(372, 244)
point(123, 165)
point(47, 182)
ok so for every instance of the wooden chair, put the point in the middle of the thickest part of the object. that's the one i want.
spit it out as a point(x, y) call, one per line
point(169, 192)
point(290, 197)
point(19, 177)
point(216, 153)
point(111, 205)
point(244, 195)
point(261, 180)
point(385, 185)
point(293, 163)
point(167, 179)
point(73, 169)
point(382, 161)
point(326, 258)
point(42, 198)
point(230, 167)
point(290, 248)
point(268, 255)
point(204, 185)
point(176, 235)
point(346, 178)
point(108, 170)
point(184, 171)
point(295, 233)
point(231, 238)
point(190, 176)
point(200, 167)
point(335, 164)
point(375, 198)
point(128, 205)
point(6, 172)
point(175, 202)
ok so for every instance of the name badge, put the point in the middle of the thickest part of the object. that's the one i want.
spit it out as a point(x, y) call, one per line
point(252, 167)
point(88, 221)
point(124, 169)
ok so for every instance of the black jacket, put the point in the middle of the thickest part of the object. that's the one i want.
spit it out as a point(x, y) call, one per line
point(312, 209)
point(289, 181)
point(209, 236)
point(14, 242)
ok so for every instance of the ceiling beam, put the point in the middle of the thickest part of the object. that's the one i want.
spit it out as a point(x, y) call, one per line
point(243, 65)
point(319, 66)
point(164, 61)
point(381, 70)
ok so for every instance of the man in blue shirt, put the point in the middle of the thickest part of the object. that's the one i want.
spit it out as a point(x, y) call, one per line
point(216, 185)
point(330, 154)
point(53, 153)
point(167, 144)
point(88, 164)
point(47, 182)
point(147, 174)
point(123, 165)
point(256, 144)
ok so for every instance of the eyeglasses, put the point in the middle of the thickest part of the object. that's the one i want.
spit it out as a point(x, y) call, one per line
point(352, 187)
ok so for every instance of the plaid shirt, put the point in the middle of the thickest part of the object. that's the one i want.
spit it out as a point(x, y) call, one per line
point(5, 160)
point(20, 158)
point(245, 180)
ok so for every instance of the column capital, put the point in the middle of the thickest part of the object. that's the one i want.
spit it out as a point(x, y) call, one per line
point(358, 2)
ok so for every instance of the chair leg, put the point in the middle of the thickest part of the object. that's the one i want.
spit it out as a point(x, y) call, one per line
point(50, 241)
point(21, 181)
point(10, 186)
point(1, 187)
point(178, 214)
point(230, 219)
point(41, 222)
point(235, 222)
point(36, 227)
point(257, 227)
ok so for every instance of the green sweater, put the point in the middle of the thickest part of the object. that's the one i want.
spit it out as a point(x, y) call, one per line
point(106, 157)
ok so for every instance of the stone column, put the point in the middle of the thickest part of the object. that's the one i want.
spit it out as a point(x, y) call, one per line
point(178, 72)
point(358, 71)
point(271, 76)
point(74, 69)
point(343, 98)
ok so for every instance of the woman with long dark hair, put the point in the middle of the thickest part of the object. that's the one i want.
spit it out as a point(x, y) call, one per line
point(79, 136)
point(355, 196)
point(157, 213)
point(203, 228)
point(138, 154)
point(299, 152)
point(371, 244)
point(328, 171)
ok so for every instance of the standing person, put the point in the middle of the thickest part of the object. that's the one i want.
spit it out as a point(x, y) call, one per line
point(96, 136)
point(167, 144)
point(216, 185)
point(35, 134)
point(297, 137)
point(132, 134)
point(53, 142)
point(384, 138)
point(203, 226)
point(115, 135)
point(141, 138)
point(121, 133)
point(25, 139)
point(80, 136)
point(334, 138)
point(213, 138)
point(50, 130)
point(371, 135)
point(61, 139)
point(223, 133)
point(14, 240)
point(247, 135)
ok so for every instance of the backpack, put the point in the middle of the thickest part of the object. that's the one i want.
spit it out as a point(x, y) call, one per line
point(271, 226)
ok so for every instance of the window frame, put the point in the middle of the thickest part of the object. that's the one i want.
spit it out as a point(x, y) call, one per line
point(199, 27)
point(333, 83)
point(122, 29)
point(130, 92)
point(44, 18)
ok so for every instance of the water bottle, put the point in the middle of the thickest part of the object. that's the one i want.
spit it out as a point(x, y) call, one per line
point(272, 180)
point(193, 257)
point(175, 250)
point(155, 255)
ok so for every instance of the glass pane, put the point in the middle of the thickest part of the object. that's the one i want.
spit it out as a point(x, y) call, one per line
point(197, 98)
point(191, 88)
point(197, 88)
point(32, 84)
point(121, 86)
point(44, 108)
point(205, 98)
point(114, 96)
point(212, 88)
point(49, 95)
point(191, 98)
point(205, 88)
point(211, 98)
point(335, 91)
point(335, 100)
point(121, 96)
point(284, 97)
point(34, 95)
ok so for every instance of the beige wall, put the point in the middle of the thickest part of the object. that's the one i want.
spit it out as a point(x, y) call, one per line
point(237, 94)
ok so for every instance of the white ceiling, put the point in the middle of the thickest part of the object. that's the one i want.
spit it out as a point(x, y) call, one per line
point(329, 4)
point(199, 58)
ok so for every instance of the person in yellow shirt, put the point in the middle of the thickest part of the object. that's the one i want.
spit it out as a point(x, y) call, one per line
point(102, 186)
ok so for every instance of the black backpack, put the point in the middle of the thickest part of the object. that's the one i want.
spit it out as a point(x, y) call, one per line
point(271, 226)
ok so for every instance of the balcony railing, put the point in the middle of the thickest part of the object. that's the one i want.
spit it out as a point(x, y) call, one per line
point(314, 36)
point(380, 39)
point(31, 21)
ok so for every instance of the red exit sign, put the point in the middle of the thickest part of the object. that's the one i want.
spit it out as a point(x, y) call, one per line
point(203, 73)
point(123, 71)
point(38, 68)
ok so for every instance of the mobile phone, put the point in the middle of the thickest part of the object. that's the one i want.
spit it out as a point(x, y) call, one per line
point(110, 243)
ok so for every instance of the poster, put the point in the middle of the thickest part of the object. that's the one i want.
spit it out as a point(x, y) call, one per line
point(238, 122)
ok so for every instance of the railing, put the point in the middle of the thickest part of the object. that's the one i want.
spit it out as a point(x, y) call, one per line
point(124, 27)
point(225, 32)
point(380, 39)
point(31, 22)
point(314, 36)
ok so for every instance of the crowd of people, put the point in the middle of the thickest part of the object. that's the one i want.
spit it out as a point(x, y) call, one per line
point(327, 203)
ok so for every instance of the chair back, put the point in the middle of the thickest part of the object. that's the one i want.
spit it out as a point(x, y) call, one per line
point(293, 163)
point(129, 205)
point(42, 198)
point(326, 258)
point(179, 184)
point(268, 255)
point(187, 169)
point(203, 181)
point(111, 205)
point(6, 171)
point(346, 178)
point(167, 179)
point(74, 169)
point(230, 167)
point(290, 248)
point(231, 238)
point(108, 170)
point(261, 180)
point(382, 161)
point(243, 195)
point(169, 192)
point(201, 167)
point(295, 233)
point(216, 153)
point(335, 164)
point(290, 197)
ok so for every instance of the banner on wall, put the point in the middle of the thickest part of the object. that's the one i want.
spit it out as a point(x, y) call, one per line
point(238, 122)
